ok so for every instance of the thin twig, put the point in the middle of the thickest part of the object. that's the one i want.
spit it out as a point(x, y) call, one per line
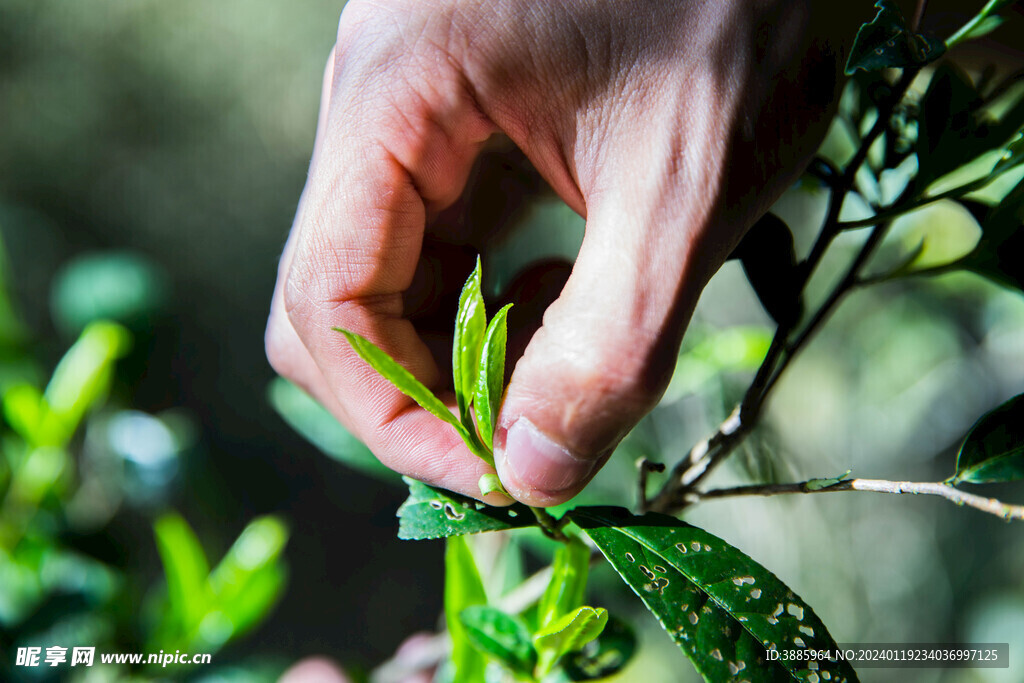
point(992, 506)
point(644, 468)
point(704, 457)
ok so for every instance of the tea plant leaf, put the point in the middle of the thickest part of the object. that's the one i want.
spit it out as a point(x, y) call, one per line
point(568, 633)
point(567, 587)
point(403, 380)
point(999, 255)
point(501, 636)
point(470, 325)
point(768, 256)
point(720, 607)
point(950, 132)
point(186, 570)
point(462, 588)
point(432, 513)
point(82, 378)
point(250, 578)
point(489, 483)
point(994, 448)
point(605, 655)
point(886, 42)
point(491, 375)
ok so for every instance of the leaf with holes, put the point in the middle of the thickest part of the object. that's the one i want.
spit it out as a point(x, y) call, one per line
point(501, 636)
point(886, 42)
point(721, 608)
point(566, 634)
point(994, 448)
point(470, 325)
point(434, 513)
point(491, 375)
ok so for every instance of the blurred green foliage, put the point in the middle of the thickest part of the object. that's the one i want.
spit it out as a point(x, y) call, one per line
point(55, 483)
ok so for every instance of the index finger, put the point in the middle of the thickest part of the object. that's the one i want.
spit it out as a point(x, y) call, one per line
point(397, 139)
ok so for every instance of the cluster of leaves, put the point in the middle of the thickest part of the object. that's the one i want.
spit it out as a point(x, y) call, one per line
point(54, 591)
point(724, 610)
point(478, 373)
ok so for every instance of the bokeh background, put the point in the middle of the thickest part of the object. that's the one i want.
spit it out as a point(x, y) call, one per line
point(151, 157)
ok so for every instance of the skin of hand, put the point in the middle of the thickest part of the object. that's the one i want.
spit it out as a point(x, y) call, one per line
point(669, 125)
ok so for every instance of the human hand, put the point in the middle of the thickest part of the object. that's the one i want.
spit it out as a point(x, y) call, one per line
point(669, 125)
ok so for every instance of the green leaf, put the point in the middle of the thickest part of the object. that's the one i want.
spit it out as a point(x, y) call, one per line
point(249, 580)
point(567, 588)
point(186, 571)
point(490, 379)
point(320, 428)
point(824, 483)
point(568, 633)
point(999, 255)
point(433, 513)
point(886, 42)
point(82, 378)
point(950, 130)
point(25, 411)
point(501, 636)
point(994, 448)
point(462, 589)
point(470, 325)
point(719, 606)
point(768, 256)
point(980, 23)
point(403, 380)
point(605, 655)
point(490, 483)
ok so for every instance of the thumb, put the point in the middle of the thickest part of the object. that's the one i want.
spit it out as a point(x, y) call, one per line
point(605, 352)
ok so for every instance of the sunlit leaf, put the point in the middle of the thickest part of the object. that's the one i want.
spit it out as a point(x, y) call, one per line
point(470, 325)
point(568, 633)
point(769, 260)
point(462, 589)
point(402, 379)
point(491, 375)
point(186, 571)
point(501, 636)
point(433, 513)
point(490, 483)
point(886, 42)
point(567, 588)
point(994, 448)
point(605, 655)
point(258, 546)
point(719, 606)
point(82, 378)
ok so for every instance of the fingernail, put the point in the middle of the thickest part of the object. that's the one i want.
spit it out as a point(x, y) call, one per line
point(538, 463)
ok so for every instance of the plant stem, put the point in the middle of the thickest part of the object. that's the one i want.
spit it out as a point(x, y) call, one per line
point(981, 16)
point(950, 493)
point(549, 525)
point(709, 453)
